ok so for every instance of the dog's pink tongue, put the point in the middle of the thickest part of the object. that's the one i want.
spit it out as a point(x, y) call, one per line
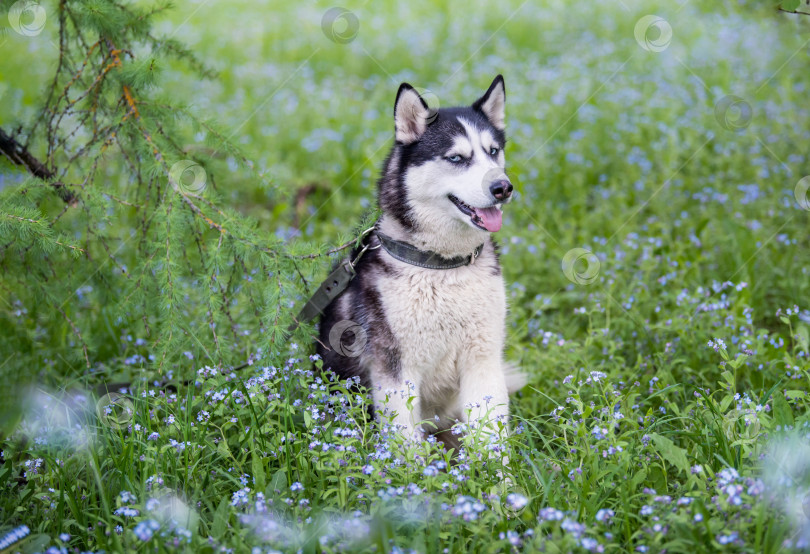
point(491, 217)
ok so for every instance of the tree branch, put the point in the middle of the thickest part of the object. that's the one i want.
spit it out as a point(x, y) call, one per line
point(19, 155)
point(793, 12)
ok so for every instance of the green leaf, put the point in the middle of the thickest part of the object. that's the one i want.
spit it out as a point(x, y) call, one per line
point(738, 361)
point(279, 481)
point(258, 470)
point(790, 5)
point(782, 414)
point(220, 519)
point(638, 478)
point(26, 494)
point(673, 454)
point(803, 336)
point(34, 543)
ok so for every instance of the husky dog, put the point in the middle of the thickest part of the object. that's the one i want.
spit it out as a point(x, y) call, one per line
point(427, 306)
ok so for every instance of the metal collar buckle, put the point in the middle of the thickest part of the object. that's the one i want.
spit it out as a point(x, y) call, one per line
point(365, 247)
point(474, 255)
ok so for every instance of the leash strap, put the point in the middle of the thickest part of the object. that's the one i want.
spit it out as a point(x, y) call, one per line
point(335, 283)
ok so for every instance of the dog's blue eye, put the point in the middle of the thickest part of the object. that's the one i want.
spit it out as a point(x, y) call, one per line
point(455, 158)
point(493, 151)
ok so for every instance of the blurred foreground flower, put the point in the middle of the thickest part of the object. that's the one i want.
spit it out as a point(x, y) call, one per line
point(786, 476)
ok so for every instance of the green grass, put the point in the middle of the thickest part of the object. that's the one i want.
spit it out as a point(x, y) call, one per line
point(632, 434)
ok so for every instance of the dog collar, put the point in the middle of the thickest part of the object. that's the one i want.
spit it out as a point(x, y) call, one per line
point(428, 259)
point(341, 276)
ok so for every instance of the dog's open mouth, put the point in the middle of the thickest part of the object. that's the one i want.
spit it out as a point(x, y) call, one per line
point(489, 219)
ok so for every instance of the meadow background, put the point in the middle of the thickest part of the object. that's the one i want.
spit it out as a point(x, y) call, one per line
point(657, 262)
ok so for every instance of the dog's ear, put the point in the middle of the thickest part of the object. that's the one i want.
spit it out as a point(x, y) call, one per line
point(411, 115)
point(493, 103)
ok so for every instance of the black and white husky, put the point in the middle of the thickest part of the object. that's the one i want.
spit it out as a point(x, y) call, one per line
point(425, 314)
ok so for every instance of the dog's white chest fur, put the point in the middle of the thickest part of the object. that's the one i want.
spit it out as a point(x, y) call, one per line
point(445, 320)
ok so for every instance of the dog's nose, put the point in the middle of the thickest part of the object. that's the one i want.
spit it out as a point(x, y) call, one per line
point(501, 189)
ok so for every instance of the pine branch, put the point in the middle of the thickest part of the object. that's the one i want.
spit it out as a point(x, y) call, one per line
point(101, 130)
point(328, 252)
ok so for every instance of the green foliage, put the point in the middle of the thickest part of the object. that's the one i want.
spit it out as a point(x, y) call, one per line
point(632, 432)
point(163, 261)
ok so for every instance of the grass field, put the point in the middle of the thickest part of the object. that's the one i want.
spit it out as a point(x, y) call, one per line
point(657, 261)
